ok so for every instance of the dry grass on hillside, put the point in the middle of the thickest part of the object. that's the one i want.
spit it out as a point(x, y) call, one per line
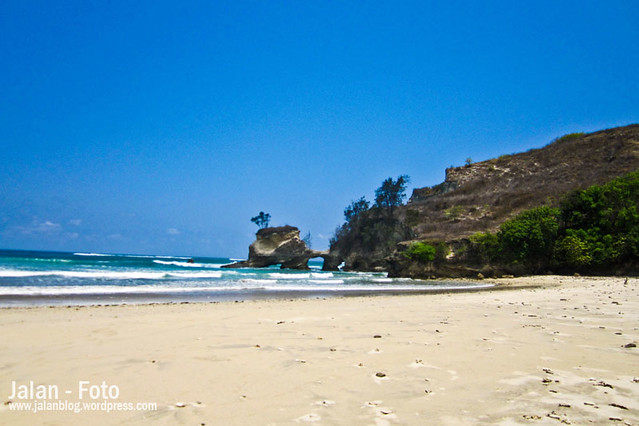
point(479, 197)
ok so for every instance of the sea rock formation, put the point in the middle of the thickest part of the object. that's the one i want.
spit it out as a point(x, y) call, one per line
point(279, 246)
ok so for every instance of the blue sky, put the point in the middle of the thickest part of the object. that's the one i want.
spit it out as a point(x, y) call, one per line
point(162, 127)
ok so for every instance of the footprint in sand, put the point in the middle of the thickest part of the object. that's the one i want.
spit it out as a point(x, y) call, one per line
point(379, 377)
point(383, 414)
point(308, 418)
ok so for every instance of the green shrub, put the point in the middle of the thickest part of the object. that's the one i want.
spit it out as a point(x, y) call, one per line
point(441, 251)
point(572, 251)
point(421, 252)
point(529, 236)
point(606, 219)
point(485, 245)
point(566, 138)
point(453, 213)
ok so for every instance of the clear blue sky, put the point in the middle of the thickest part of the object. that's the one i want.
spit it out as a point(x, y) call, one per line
point(162, 127)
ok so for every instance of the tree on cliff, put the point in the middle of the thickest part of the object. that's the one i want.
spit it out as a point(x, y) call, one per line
point(370, 234)
point(391, 193)
point(355, 209)
point(262, 220)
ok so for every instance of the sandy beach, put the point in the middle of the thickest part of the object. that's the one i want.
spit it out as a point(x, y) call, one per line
point(559, 350)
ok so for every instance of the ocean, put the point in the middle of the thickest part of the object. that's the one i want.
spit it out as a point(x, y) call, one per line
point(29, 278)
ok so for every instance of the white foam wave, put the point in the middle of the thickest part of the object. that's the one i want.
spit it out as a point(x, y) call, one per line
point(372, 288)
point(326, 281)
point(203, 274)
point(83, 274)
point(185, 264)
point(322, 275)
point(51, 260)
point(135, 256)
point(268, 285)
point(133, 275)
point(291, 276)
point(256, 281)
point(99, 290)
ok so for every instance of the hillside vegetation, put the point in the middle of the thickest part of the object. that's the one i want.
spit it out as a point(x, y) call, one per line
point(558, 207)
point(595, 230)
point(481, 196)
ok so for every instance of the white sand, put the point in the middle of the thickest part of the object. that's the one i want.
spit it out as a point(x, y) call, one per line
point(445, 359)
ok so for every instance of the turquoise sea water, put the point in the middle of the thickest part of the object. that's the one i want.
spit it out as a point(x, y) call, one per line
point(53, 278)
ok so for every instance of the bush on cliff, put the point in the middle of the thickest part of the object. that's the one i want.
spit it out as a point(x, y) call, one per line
point(421, 252)
point(484, 246)
point(594, 230)
point(530, 236)
point(601, 224)
point(566, 138)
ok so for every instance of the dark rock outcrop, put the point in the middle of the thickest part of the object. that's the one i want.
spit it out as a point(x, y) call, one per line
point(278, 246)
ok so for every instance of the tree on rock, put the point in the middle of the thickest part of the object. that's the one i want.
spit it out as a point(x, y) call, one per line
point(262, 220)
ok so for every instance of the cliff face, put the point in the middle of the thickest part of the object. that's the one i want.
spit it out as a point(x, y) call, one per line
point(479, 197)
point(280, 245)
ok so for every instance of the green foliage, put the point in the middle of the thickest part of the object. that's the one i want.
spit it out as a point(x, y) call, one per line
point(605, 221)
point(391, 193)
point(610, 208)
point(356, 208)
point(369, 230)
point(441, 251)
point(572, 251)
point(261, 220)
point(454, 212)
point(568, 137)
point(530, 236)
point(421, 252)
point(485, 245)
point(469, 162)
point(594, 229)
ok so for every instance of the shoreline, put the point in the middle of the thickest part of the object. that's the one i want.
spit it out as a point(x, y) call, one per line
point(551, 351)
point(195, 296)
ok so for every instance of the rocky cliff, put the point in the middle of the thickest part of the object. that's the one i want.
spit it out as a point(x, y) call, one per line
point(278, 246)
point(480, 197)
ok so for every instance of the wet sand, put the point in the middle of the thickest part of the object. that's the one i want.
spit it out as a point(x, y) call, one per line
point(558, 350)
